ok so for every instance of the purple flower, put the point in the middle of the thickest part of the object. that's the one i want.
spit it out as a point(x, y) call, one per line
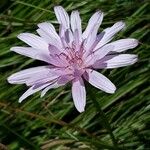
point(72, 56)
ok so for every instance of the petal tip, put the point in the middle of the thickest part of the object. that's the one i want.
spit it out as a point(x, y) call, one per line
point(112, 90)
point(136, 42)
point(19, 35)
point(99, 11)
point(10, 79)
point(58, 7)
point(20, 100)
point(122, 23)
point(81, 110)
point(12, 49)
point(42, 95)
point(135, 59)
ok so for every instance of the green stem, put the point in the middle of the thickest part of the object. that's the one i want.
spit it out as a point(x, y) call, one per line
point(103, 119)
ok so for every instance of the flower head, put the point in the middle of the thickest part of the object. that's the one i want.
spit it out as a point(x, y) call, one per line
point(72, 55)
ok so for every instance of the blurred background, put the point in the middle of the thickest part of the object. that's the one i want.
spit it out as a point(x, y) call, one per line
point(52, 122)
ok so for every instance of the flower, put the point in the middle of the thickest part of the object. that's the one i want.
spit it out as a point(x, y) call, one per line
point(72, 56)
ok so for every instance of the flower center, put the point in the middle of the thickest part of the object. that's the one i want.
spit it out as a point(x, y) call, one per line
point(75, 61)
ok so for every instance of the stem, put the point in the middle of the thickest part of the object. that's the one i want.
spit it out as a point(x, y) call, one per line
point(103, 119)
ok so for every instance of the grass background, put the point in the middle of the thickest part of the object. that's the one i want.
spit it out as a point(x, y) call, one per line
point(52, 122)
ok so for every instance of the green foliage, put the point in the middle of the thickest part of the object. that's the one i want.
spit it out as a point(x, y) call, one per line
point(52, 122)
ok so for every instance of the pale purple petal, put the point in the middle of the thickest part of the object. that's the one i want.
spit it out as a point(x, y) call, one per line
point(76, 23)
point(50, 30)
point(41, 78)
point(109, 34)
point(116, 61)
point(59, 60)
point(31, 91)
point(31, 52)
point(79, 94)
point(95, 20)
point(99, 81)
point(62, 16)
point(91, 39)
point(124, 44)
point(49, 39)
point(52, 86)
point(22, 76)
point(50, 76)
point(34, 41)
point(60, 82)
point(99, 54)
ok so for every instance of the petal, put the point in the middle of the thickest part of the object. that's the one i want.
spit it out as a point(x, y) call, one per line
point(116, 61)
point(31, 52)
point(79, 94)
point(42, 78)
point(60, 82)
point(62, 16)
point(49, 39)
point(99, 81)
point(34, 41)
point(109, 33)
point(54, 50)
point(49, 29)
point(59, 60)
point(95, 20)
point(31, 91)
point(99, 54)
point(68, 37)
point(64, 79)
point(52, 86)
point(22, 76)
point(76, 23)
point(91, 39)
point(124, 44)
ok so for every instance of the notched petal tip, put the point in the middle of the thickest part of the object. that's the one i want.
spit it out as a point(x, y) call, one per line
point(136, 42)
point(100, 12)
point(44, 24)
point(113, 89)
point(21, 99)
point(135, 59)
point(20, 35)
point(121, 24)
point(9, 80)
point(12, 49)
point(81, 110)
point(58, 6)
point(75, 11)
